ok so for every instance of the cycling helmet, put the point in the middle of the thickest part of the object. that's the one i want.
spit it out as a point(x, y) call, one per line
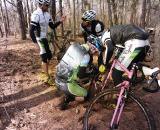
point(105, 37)
point(89, 15)
point(44, 2)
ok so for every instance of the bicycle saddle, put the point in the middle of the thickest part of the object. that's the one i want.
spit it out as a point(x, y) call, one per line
point(120, 46)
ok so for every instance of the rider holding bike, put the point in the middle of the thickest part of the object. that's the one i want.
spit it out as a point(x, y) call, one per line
point(40, 20)
point(74, 71)
point(135, 42)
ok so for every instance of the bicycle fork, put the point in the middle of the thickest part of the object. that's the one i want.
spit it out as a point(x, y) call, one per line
point(118, 110)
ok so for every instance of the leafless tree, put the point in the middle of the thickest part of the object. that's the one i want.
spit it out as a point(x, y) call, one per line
point(148, 16)
point(69, 12)
point(28, 13)
point(114, 11)
point(61, 14)
point(7, 19)
point(143, 15)
point(21, 19)
point(3, 20)
point(133, 11)
point(1, 31)
point(110, 13)
point(53, 14)
point(74, 19)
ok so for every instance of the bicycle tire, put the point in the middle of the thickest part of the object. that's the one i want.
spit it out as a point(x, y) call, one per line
point(147, 114)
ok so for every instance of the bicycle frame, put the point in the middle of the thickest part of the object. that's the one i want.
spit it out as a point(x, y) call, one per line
point(124, 86)
point(129, 73)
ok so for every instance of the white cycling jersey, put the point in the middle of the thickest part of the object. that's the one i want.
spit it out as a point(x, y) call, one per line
point(130, 52)
point(74, 57)
point(42, 19)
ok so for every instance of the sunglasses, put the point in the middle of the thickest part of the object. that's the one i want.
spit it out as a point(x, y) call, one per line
point(86, 20)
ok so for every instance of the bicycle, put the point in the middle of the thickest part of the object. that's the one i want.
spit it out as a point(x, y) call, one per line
point(60, 45)
point(113, 101)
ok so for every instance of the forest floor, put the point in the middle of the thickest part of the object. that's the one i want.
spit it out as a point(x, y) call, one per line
point(29, 104)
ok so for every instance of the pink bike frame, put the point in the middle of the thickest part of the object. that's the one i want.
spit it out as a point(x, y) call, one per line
point(129, 73)
point(124, 85)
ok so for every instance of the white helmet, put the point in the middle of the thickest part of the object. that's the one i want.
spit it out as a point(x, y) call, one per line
point(89, 15)
point(43, 2)
point(105, 37)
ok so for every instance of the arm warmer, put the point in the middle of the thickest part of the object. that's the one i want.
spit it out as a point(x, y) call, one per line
point(54, 25)
point(32, 34)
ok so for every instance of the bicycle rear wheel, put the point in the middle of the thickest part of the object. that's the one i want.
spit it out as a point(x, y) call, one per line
point(135, 115)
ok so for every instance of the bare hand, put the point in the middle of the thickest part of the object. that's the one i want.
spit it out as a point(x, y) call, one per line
point(62, 18)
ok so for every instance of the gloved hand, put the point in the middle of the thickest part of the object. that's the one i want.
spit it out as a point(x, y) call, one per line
point(102, 68)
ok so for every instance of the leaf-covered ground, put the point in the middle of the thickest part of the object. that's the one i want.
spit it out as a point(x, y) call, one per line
point(26, 103)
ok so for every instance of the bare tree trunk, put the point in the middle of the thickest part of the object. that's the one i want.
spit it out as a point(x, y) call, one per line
point(53, 9)
point(114, 7)
point(121, 9)
point(61, 14)
point(100, 6)
point(92, 4)
point(1, 31)
point(148, 17)
point(7, 19)
point(14, 22)
point(78, 17)
point(143, 15)
point(82, 6)
point(31, 4)
point(29, 14)
point(3, 20)
point(69, 8)
point(133, 11)
point(53, 13)
point(21, 19)
point(110, 13)
point(87, 5)
point(25, 15)
point(74, 19)
point(103, 12)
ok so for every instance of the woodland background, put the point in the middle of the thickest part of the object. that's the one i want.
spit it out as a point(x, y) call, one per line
point(26, 102)
point(15, 15)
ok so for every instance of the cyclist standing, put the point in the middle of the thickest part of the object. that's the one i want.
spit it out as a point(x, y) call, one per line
point(40, 20)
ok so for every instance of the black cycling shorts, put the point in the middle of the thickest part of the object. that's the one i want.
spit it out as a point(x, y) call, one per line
point(48, 55)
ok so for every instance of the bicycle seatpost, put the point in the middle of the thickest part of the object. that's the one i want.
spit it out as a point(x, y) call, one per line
point(118, 50)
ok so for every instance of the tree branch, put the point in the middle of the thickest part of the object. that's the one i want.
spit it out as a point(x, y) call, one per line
point(11, 3)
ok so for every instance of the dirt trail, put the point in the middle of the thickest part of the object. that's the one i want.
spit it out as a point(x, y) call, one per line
point(28, 103)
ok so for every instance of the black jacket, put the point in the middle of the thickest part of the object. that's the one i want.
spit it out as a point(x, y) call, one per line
point(121, 33)
point(87, 32)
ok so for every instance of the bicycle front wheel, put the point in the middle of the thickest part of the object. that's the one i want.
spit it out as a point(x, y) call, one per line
point(135, 115)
